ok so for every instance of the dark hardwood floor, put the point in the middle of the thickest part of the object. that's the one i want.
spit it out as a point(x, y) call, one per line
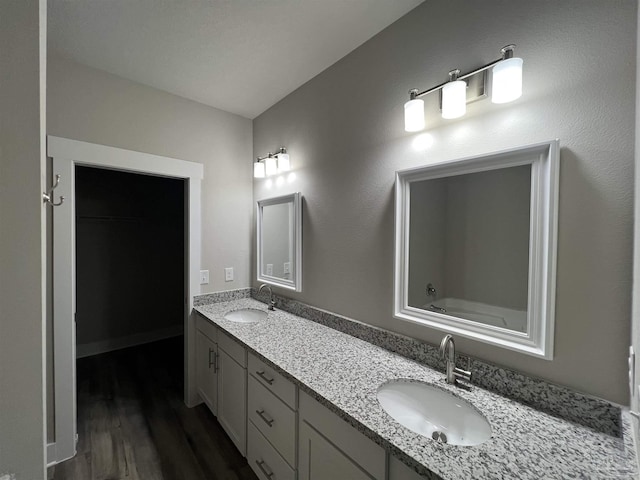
point(133, 424)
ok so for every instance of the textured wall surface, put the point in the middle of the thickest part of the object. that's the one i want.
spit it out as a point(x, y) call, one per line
point(635, 394)
point(344, 132)
point(92, 106)
point(22, 160)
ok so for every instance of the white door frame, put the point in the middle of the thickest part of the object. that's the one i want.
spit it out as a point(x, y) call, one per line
point(66, 155)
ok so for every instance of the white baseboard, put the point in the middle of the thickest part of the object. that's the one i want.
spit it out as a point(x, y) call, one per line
point(111, 344)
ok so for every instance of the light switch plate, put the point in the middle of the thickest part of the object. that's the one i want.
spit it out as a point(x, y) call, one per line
point(204, 277)
point(287, 267)
point(270, 269)
point(228, 274)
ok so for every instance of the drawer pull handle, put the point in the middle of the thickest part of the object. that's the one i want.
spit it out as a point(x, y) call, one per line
point(267, 471)
point(265, 419)
point(264, 377)
point(211, 362)
point(217, 363)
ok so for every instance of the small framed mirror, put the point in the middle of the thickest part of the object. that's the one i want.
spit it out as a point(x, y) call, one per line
point(475, 247)
point(279, 235)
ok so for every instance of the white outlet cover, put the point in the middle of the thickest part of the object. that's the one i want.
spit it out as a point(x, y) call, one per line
point(270, 269)
point(287, 267)
point(204, 277)
point(228, 274)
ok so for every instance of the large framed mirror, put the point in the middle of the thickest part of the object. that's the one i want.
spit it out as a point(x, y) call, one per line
point(475, 247)
point(279, 236)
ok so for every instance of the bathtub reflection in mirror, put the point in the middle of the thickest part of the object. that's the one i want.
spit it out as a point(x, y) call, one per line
point(475, 247)
point(469, 246)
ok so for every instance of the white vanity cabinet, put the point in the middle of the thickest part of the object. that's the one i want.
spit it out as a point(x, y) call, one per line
point(331, 448)
point(284, 433)
point(221, 375)
point(272, 422)
point(207, 363)
point(232, 390)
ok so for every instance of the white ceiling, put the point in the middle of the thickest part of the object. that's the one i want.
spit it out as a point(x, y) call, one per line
point(241, 56)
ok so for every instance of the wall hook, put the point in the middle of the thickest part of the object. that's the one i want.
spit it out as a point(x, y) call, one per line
point(46, 196)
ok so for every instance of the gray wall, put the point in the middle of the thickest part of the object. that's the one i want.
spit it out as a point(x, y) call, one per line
point(344, 132)
point(635, 397)
point(93, 106)
point(22, 160)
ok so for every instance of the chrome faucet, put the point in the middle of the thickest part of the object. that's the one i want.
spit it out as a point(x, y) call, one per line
point(448, 346)
point(272, 302)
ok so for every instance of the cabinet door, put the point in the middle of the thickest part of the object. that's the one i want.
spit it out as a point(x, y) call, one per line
point(331, 448)
point(320, 459)
point(206, 371)
point(232, 399)
point(399, 471)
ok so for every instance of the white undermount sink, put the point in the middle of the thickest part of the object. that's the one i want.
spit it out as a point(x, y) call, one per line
point(434, 413)
point(246, 315)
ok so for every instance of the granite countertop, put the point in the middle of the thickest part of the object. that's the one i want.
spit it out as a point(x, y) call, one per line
point(344, 373)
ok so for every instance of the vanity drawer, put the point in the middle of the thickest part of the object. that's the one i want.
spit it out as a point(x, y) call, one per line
point(232, 348)
point(275, 420)
point(207, 328)
point(264, 460)
point(272, 380)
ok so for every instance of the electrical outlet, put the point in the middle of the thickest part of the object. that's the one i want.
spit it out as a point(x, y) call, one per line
point(287, 267)
point(270, 269)
point(204, 277)
point(228, 274)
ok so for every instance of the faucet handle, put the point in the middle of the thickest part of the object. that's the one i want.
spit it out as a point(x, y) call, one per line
point(462, 374)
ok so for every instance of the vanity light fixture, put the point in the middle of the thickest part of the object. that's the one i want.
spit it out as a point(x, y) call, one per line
point(272, 164)
point(454, 96)
point(506, 87)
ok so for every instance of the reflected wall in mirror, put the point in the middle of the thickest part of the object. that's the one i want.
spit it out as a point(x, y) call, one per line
point(279, 235)
point(469, 246)
point(475, 247)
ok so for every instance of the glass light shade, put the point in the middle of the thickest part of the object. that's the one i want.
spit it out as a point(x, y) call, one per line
point(507, 80)
point(271, 166)
point(258, 170)
point(454, 99)
point(284, 164)
point(414, 115)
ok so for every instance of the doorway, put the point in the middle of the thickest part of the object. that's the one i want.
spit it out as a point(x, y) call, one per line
point(130, 253)
point(67, 155)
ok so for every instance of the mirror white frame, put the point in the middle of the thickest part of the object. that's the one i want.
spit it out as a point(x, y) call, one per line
point(537, 340)
point(295, 283)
